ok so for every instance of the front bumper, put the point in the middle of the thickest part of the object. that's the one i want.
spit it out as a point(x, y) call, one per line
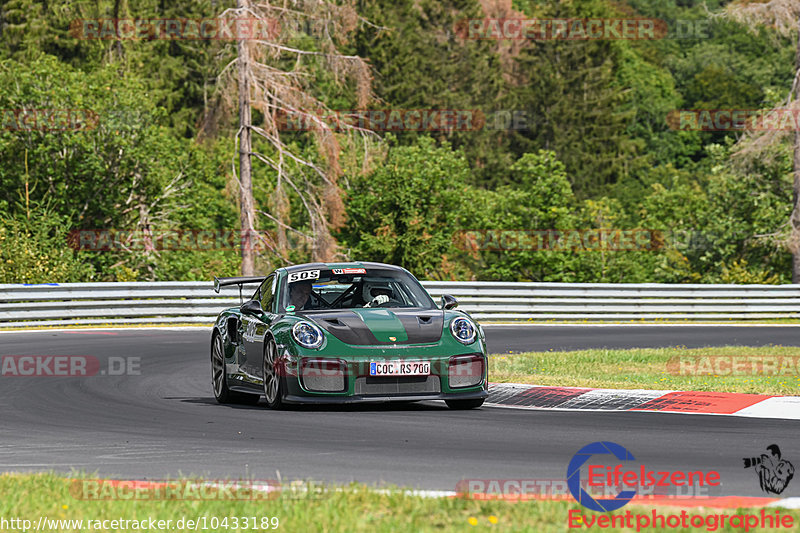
point(354, 385)
point(316, 399)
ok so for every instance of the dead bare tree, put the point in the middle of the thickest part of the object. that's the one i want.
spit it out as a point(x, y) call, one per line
point(276, 77)
point(784, 17)
point(247, 209)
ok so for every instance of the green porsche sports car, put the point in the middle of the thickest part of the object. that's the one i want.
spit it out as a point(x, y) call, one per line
point(345, 332)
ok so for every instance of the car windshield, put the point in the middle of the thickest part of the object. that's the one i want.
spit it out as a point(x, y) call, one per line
point(352, 288)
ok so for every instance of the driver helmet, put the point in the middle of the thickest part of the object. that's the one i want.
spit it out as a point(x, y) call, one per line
point(373, 289)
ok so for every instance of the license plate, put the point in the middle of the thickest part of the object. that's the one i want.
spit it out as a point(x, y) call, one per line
point(399, 368)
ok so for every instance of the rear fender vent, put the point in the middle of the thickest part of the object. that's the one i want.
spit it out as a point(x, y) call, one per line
point(233, 327)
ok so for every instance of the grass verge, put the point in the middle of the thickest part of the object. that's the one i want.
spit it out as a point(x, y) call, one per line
point(354, 508)
point(766, 370)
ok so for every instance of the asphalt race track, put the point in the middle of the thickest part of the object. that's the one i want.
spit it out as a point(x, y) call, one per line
point(164, 420)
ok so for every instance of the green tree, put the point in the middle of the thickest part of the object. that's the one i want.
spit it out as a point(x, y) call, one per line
point(121, 169)
point(579, 108)
point(540, 199)
point(421, 61)
point(406, 212)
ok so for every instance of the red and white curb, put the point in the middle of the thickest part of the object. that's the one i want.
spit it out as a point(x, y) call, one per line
point(519, 396)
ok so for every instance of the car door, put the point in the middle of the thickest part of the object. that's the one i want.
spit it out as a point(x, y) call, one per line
point(254, 329)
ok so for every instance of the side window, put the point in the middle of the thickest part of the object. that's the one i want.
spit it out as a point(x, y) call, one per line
point(266, 293)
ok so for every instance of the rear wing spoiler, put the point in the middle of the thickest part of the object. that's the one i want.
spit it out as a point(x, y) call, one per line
point(225, 282)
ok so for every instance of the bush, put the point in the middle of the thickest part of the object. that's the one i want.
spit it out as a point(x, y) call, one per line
point(35, 250)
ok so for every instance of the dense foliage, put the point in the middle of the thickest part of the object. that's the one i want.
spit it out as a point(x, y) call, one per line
point(575, 141)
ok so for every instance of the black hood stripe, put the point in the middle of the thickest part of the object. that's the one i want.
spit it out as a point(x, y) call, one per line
point(421, 326)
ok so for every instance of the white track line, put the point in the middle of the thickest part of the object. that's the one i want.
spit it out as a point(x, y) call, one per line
point(636, 325)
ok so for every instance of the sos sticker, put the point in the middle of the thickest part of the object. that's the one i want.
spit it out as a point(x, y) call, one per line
point(305, 275)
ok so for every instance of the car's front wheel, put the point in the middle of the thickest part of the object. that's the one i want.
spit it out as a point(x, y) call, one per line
point(273, 388)
point(464, 404)
point(219, 380)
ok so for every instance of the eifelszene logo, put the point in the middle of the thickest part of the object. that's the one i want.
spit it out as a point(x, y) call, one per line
point(626, 478)
point(574, 476)
point(774, 473)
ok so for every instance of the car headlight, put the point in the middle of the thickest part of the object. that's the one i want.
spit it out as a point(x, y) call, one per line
point(463, 330)
point(307, 335)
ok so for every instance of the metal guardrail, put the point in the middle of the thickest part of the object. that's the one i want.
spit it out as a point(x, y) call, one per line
point(196, 302)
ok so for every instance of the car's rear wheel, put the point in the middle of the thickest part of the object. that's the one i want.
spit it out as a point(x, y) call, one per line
point(464, 404)
point(219, 379)
point(273, 387)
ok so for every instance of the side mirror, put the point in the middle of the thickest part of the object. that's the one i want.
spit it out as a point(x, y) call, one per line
point(251, 307)
point(449, 302)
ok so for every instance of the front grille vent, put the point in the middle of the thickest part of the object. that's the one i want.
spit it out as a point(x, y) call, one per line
point(380, 386)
